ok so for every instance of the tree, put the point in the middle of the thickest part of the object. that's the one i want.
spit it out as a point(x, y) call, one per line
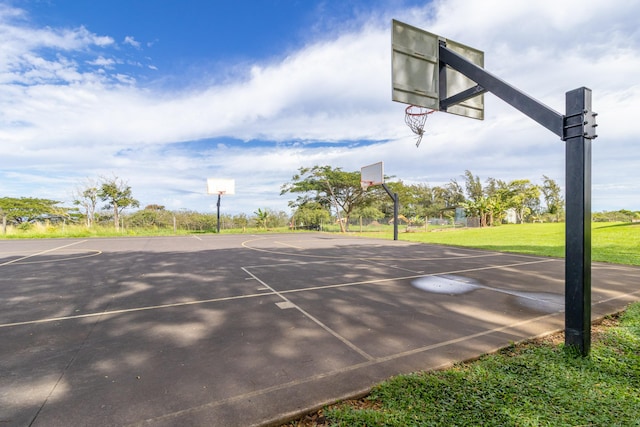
point(478, 207)
point(414, 200)
point(240, 221)
point(441, 199)
point(154, 207)
point(278, 218)
point(369, 212)
point(453, 195)
point(551, 192)
point(261, 217)
point(118, 196)
point(311, 215)
point(26, 209)
point(525, 198)
point(473, 187)
point(88, 199)
point(477, 203)
point(331, 188)
point(151, 216)
point(499, 196)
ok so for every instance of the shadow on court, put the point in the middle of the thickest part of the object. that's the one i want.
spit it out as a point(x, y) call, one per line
point(250, 330)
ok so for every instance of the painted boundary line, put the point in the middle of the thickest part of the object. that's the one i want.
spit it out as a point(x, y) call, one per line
point(483, 253)
point(90, 253)
point(271, 292)
point(13, 261)
point(131, 310)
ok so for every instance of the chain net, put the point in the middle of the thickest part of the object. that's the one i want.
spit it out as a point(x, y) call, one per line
point(415, 117)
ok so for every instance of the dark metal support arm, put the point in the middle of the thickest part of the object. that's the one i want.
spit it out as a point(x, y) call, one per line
point(532, 108)
point(461, 97)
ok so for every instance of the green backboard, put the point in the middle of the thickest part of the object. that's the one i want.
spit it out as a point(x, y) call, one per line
point(415, 71)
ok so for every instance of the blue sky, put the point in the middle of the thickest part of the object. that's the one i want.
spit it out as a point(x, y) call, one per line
point(165, 94)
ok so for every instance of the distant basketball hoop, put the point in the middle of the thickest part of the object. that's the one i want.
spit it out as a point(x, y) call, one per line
point(221, 187)
point(371, 175)
point(415, 117)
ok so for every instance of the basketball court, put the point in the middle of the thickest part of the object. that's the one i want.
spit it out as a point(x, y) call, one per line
point(243, 330)
point(239, 330)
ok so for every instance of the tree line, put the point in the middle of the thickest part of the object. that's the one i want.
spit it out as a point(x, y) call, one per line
point(322, 191)
point(116, 195)
point(324, 194)
point(115, 192)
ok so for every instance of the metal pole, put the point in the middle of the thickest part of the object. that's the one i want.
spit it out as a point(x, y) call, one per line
point(395, 216)
point(394, 197)
point(579, 129)
point(219, 196)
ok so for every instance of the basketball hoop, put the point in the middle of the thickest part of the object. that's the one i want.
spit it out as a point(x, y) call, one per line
point(415, 117)
point(365, 185)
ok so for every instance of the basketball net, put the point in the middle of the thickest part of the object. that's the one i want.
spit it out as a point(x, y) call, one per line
point(415, 117)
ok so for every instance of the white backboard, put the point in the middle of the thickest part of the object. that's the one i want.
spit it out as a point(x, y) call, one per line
point(221, 186)
point(372, 174)
point(415, 71)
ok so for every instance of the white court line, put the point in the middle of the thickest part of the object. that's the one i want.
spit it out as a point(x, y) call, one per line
point(285, 264)
point(382, 281)
point(291, 304)
point(286, 244)
point(349, 260)
point(271, 292)
point(40, 253)
point(132, 310)
point(91, 253)
point(396, 267)
point(415, 276)
point(246, 243)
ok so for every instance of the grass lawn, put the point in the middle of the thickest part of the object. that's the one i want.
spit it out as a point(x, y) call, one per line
point(533, 384)
point(611, 242)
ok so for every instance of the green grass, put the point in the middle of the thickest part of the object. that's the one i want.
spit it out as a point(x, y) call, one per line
point(539, 384)
point(611, 242)
point(40, 231)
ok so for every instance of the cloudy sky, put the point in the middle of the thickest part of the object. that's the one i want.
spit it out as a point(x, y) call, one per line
point(165, 94)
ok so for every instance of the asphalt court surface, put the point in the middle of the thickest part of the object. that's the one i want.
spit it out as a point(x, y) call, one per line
point(238, 330)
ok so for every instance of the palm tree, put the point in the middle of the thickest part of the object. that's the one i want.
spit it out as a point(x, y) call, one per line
point(261, 217)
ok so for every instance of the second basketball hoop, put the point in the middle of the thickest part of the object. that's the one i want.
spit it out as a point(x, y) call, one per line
point(415, 117)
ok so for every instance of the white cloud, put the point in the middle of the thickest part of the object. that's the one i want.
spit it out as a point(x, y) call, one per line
point(131, 41)
point(101, 61)
point(74, 122)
